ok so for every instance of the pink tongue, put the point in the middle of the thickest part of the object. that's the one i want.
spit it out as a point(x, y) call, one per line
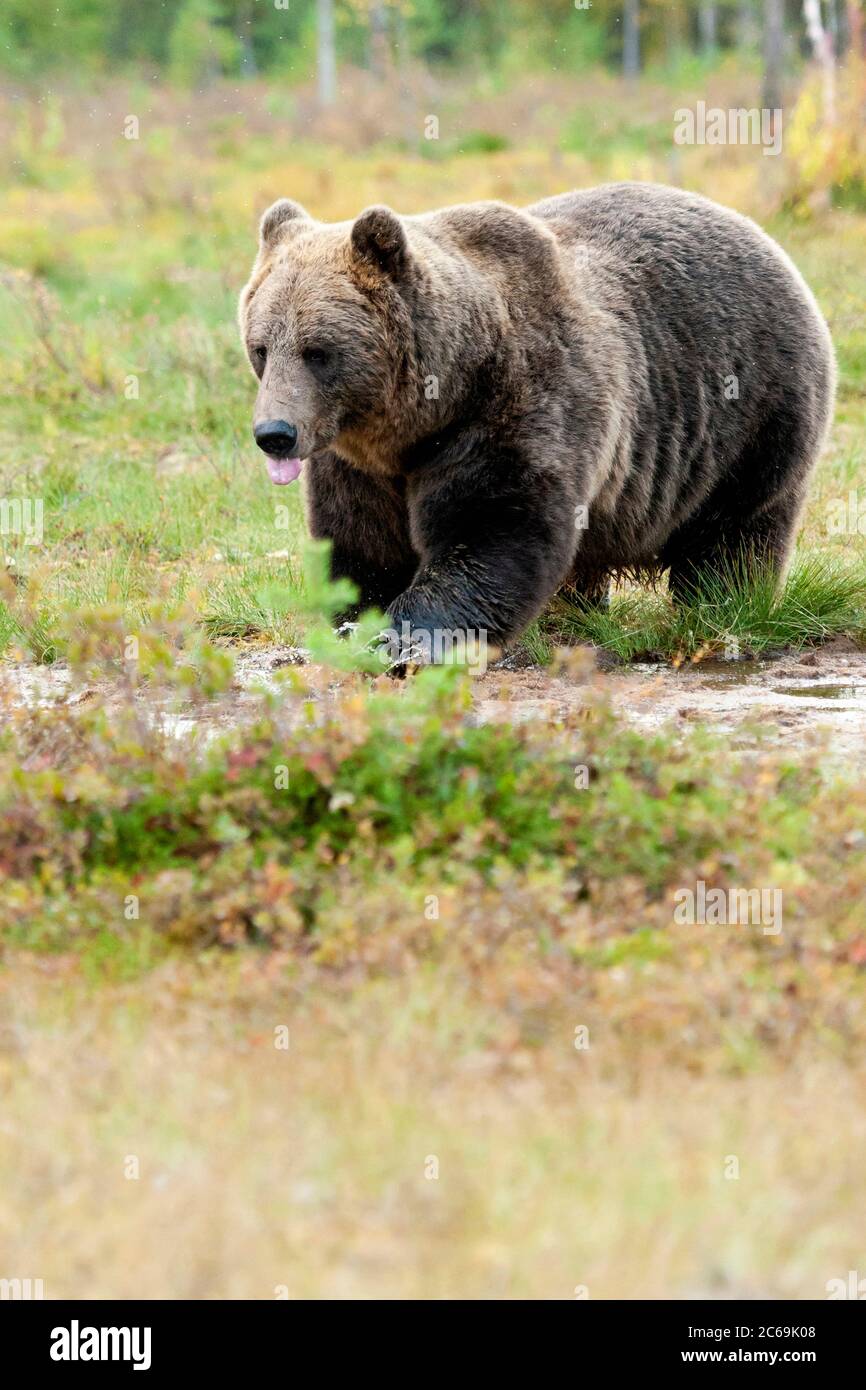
point(284, 471)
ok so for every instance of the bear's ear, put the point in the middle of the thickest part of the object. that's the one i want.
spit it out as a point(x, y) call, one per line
point(278, 214)
point(379, 239)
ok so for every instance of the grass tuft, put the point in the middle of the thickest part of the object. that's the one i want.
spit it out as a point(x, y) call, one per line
point(737, 614)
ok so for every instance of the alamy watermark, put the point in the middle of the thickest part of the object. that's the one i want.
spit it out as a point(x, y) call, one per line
point(21, 1290)
point(419, 646)
point(853, 1288)
point(738, 125)
point(77, 1343)
point(729, 907)
point(846, 516)
point(22, 516)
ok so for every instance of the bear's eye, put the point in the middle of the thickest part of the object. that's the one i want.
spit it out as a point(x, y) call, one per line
point(318, 356)
point(258, 355)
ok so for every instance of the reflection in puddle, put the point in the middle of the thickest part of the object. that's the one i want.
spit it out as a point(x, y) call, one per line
point(713, 671)
point(825, 692)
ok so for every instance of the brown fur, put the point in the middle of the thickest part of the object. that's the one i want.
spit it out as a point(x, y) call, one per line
point(488, 370)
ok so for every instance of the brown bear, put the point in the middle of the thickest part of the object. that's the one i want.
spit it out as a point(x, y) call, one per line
point(490, 403)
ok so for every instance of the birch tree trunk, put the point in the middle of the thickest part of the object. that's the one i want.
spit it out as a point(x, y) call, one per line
point(327, 53)
point(378, 38)
point(707, 27)
point(774, 33)
point(747, 25)
point(855, 26)
point(822, 52)
point(631, 39)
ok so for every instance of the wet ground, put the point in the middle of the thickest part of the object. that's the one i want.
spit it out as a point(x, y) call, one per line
point(807, 699)
point(801, 700)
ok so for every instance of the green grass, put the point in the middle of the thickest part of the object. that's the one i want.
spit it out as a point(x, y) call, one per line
point(735, 615)
point(241, 605)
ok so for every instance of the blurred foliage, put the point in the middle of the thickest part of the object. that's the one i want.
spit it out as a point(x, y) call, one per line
point(392, 779)
point(194, 40)
point(828, 158)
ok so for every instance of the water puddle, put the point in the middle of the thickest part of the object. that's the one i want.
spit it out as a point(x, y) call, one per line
point(825, 692)
point(811, 700)
point(796, 700)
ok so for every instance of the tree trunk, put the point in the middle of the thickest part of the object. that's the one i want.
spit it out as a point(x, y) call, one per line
point(404, 86)
point(855, 26)
point(249, 67)
point(631, 38)
point(822, 52)
point(378, 38)
point(327, 54)
point(707, 27)
point(747, 25)
point(774, 34)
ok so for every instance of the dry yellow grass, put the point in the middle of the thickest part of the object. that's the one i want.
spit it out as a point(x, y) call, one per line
point(305, 1170)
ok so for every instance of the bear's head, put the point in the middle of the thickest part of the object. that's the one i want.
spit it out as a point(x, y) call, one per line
point(326, 329)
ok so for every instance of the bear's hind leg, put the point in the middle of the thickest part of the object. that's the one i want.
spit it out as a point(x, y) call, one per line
point(750, 522)
point(587, 591)
point(724, 547)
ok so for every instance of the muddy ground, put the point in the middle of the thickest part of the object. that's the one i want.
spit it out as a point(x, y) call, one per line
point(806, 700)
point(815, 698)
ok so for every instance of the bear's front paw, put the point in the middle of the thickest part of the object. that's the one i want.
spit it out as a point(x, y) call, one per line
point(425, 638)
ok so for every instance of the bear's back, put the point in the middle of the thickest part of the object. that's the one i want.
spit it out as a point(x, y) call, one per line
point(698, 263)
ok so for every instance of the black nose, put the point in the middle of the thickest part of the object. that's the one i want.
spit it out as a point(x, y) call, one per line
point(277, 438)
